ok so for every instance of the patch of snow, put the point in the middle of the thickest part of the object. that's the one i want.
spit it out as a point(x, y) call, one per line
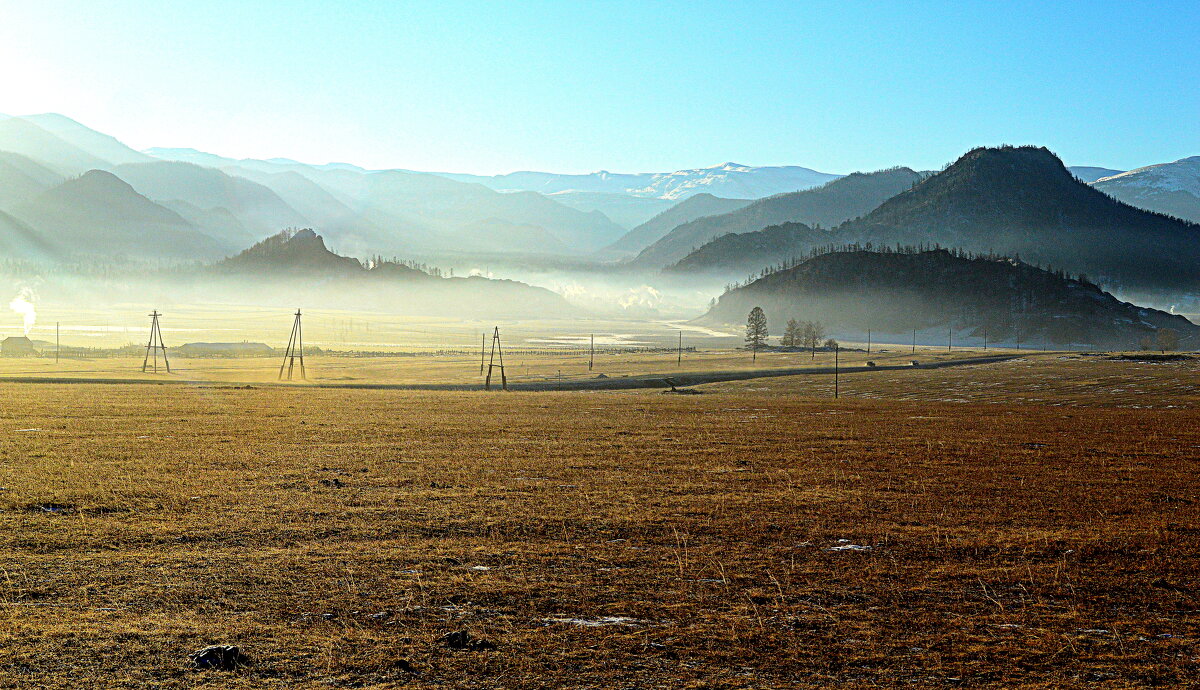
point(595, 622)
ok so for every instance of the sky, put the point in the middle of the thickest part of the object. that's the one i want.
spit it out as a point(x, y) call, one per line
point(573, 86)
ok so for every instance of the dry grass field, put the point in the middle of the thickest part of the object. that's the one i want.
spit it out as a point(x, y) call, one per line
point(758, 536)
point(425, 368)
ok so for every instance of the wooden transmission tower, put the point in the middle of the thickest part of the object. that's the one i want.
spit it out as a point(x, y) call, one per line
point(496, 352)
point(294, 351)
point(155, 344)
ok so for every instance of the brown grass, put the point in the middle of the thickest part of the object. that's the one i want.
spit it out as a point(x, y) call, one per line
point(333, 534)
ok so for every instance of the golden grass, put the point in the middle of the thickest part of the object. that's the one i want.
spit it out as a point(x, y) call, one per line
point(1039, 379)
point(334, 533)
point(429, 368)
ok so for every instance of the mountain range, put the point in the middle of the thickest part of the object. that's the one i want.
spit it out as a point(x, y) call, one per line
point(830, 204)
point(66, 189)
point(906, 290)
point(732, 180)
point(686, 211)
point(1011, 200)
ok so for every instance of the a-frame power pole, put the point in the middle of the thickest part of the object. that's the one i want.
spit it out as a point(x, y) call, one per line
point(294, 351)
point(155, 344)
point(497, 352)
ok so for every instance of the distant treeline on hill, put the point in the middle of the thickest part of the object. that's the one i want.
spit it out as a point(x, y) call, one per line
point(899, 249)
point(901, 289)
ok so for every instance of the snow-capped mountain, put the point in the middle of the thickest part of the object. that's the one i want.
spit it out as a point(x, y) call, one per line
point(1171, 188)
point(728, 180)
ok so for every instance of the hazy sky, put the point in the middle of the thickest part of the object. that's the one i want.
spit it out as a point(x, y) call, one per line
point(625, 86)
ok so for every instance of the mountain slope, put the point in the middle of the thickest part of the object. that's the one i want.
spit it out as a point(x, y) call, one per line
point(625, 210)
point(1170, 188)
point(22, 178)
point(100, 214)
point(95, 143)
point(1023, 201)
point(259, 210)
point(897, 292)
point(398, 211)
point(691, 208)
point(305, 269)
point(446, 207)
point(737, 254)
point(495, 235)
point(19, 240)
point(21, 136)
point(827, 205)
point(1090, 174)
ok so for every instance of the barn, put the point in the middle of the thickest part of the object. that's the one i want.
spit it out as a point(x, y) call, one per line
point(17, 346)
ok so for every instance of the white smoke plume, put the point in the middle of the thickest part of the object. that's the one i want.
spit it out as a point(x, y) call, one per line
point(23, 305)
point(645, 297)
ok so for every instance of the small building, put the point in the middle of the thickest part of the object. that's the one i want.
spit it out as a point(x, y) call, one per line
point(17, 346)
point(243, 349)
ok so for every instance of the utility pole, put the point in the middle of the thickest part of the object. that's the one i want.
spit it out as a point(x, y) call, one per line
point(155, 344)
point(950, 342)
point(295, 349)
point(496, 350)
point(914, 341)
point(985, 340)
point(482, 351)
point(592, 353)
point(679, 352)
point(868, 341)
point(836, 348)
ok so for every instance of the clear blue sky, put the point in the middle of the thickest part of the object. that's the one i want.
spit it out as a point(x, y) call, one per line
point(624, 86)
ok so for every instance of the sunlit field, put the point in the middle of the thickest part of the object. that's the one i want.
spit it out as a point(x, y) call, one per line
point(458, 369)
point(114, 326)
point(758, 535)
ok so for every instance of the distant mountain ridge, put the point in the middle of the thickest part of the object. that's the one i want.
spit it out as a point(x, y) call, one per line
point(226, 203)
point(830, 204)
point(1170, 188)
point(99, 213)
point(691, 208)
point(730, 180)
point(1011, 200)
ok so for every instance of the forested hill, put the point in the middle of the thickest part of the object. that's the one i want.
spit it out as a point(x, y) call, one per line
point(1023, 201)
point(897, 291)
point(742, 253)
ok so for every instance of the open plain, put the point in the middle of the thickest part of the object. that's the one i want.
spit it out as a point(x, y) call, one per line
point(928, 528)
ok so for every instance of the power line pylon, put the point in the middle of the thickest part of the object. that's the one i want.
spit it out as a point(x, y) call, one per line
point(155, 344)
point(496, 351)
point(294, 351)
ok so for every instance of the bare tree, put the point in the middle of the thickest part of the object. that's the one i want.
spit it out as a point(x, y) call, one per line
point(811, 334)
point(1167, 339)
point(792, 335)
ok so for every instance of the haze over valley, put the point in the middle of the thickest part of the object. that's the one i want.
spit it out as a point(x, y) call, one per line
point(657, 245)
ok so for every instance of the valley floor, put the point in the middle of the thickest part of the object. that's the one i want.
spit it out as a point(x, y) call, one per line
point(760, 535)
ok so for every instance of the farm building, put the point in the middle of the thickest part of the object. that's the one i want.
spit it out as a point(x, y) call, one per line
point(243, 349)
point(17, 346)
